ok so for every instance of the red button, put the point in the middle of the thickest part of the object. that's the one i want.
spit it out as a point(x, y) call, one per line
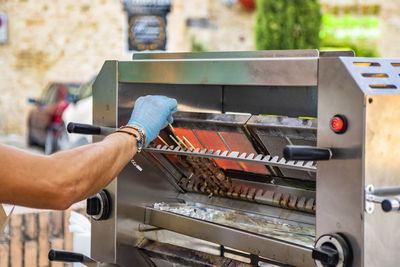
point(338, 124)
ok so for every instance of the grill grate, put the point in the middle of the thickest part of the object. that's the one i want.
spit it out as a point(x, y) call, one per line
point(274, 161)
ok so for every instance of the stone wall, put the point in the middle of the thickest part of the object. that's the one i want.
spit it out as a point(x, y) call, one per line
point(390, 27)
point(69, 41)
point(54, 41)
point(231, 28)
point(215, 26)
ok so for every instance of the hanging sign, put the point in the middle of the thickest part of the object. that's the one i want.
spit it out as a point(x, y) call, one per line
point(147, 24)
point(147, 32)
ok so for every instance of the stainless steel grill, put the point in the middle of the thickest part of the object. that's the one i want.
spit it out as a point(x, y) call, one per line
point(218, 190)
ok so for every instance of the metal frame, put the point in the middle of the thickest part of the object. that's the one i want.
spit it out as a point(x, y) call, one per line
point(365, 155)
point(214, 83)
point(137, 77)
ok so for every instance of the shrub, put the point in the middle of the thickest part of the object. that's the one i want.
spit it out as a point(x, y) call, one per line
point(287, 24)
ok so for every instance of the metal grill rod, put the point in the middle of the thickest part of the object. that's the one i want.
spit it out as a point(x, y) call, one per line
point(274, 161)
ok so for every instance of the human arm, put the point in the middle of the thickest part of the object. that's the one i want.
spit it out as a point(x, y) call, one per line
point(61, 179)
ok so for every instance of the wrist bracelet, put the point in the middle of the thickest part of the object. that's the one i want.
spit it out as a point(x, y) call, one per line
point(141, 139)
point(139, 148)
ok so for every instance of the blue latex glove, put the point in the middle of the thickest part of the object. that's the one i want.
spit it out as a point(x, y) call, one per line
point(152, 113)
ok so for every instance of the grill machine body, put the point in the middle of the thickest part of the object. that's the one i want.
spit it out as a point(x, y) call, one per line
point(230, 90)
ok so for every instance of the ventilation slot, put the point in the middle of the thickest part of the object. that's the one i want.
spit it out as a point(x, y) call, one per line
point(396, 64)
point(375, 75)
point(367, 64)
point(383, 86)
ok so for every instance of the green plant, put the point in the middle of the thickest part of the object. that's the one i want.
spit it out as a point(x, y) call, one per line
point(287, 24)
point(196, 46)
point(350, 32)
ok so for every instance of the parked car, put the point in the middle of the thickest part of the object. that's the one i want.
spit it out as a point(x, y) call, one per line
point(45, 123)
point(80, 111)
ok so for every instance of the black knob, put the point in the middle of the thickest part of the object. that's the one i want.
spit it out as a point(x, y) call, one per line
point(332, 250)
point(99, 206)
point(292, 152)
point(93, 206)
point(326, 254)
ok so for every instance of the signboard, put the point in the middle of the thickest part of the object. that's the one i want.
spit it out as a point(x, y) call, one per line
point(3, 28)
point(147, 24)
point(147, 32)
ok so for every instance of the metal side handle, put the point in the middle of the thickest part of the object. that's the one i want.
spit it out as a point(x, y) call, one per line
point(387, 197)
point(292, 152)
point(81, 128)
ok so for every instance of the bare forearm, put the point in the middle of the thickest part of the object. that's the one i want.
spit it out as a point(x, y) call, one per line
point(66, 177)
point(94, 166)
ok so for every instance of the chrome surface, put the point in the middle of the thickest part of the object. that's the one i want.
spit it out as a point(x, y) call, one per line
point(231, 54)
point(386, 191)
point(283, 71)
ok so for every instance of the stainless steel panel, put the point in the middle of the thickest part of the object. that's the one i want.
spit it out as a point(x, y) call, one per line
point(103, 238)
point(340, 187)
point(266, 247)
point(253, 71)
point(359, 67)
point(276, 132)
point(191, 98)
point(231, 54)
point(135, 189)
point(382, 169)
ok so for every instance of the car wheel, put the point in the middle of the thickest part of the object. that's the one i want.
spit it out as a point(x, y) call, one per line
point(50, 143)
point(31, 141)
point(63, 142)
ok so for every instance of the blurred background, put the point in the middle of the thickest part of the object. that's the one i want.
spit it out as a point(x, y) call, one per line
point(51, 51)
point(67, 41)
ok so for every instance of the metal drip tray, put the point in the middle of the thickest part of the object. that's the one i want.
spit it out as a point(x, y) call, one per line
point(272, 227)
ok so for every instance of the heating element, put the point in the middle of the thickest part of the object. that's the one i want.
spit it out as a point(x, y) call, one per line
point(274, 157)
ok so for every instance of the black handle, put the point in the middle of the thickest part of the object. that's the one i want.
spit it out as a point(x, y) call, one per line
point(306, 153)
point(68, 256)
point(327, 255)
point(390, 205)
point(81, 128)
